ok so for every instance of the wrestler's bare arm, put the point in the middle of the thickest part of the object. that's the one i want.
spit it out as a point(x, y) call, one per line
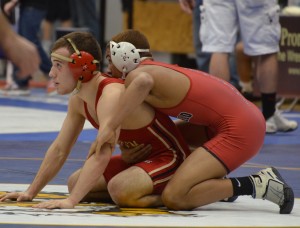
point(56, 155)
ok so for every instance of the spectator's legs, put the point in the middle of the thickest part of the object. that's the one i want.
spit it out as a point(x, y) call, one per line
point(202, 58)
point(244, 68)
point(267, 68)
point(219, 65)
point(84, 14)
point(29, 27)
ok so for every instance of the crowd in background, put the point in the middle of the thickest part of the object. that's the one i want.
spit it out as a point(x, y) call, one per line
point(36, 21)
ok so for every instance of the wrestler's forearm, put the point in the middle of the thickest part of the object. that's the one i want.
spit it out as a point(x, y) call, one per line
point(92, 170)
point(134, 95)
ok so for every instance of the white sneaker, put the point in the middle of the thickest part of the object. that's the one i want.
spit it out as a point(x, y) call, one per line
point(269, 185)
point(271, 127)
point(14, 90)
point(279, 123)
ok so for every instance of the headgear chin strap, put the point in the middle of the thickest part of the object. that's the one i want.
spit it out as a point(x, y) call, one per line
point(82, 64)
point(125, 56)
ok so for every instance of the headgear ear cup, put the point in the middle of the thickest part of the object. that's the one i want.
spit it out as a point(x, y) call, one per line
point(83, 66)
point(125, 56)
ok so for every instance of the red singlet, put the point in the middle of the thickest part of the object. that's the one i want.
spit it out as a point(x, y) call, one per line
point(168, 146)
point(237, 125)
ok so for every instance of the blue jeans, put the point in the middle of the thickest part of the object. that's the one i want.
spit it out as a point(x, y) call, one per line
point(84, 14)
point(203, 58)
point(29, 27)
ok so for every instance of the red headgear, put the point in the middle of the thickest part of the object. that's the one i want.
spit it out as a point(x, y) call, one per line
point(82, 64)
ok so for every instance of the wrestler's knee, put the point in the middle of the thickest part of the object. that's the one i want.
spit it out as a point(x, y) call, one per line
point(173, 199)
point(73, 179)
point(119, 194)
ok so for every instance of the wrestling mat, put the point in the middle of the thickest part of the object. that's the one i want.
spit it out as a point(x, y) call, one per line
point(28, 125)
point(244, 212)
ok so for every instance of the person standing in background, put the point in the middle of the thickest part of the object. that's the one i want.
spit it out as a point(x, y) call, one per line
point(203, 58)
point(192, 7)
point(84, 14)
point(260, 37)
point(57, 12)
point(32, 12)
point(17, 49)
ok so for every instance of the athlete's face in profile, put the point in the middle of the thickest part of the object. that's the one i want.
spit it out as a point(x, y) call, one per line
point(112, 70)
point(61, 73)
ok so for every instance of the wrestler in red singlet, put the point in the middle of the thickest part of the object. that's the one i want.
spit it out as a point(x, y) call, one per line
point(168, 147)
point(237, 125)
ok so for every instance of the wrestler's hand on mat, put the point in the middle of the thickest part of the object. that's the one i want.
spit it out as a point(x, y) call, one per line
point(136, 154)
point(54, 204)
point(18, 196)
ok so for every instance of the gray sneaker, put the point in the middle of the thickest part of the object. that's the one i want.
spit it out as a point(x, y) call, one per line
point(271, 186)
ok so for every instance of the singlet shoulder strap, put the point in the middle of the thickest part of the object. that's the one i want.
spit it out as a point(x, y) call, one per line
point(101, 86)
point(104, 83)
point(89, 117)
